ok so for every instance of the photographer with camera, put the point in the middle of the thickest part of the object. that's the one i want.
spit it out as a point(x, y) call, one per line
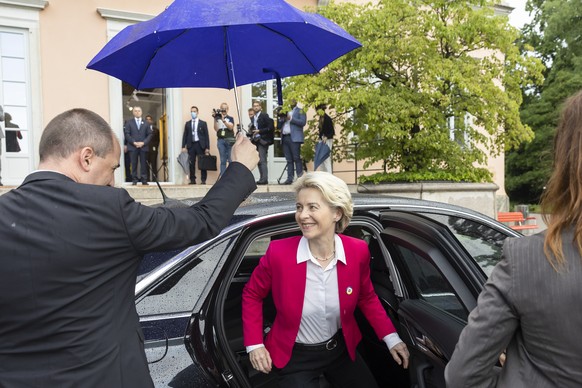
point(224, 127)
point(263, 135)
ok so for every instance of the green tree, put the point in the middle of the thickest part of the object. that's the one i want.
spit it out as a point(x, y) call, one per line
point(435, 86)
point(554, 33)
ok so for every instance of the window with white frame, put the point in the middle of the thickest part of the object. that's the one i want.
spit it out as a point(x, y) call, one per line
point(15, 90)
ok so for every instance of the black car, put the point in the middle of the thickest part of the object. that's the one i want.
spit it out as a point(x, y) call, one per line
point(429, 262)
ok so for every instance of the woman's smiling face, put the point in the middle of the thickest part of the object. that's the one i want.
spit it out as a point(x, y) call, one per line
point(315, 216)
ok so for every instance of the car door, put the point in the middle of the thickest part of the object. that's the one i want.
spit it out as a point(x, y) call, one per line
point(165, 310)
point(439, 282)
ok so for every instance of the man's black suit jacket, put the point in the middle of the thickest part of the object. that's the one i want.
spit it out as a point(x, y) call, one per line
point(70, 254)
point(133, 133)
point(202, 135)
point(266, 127)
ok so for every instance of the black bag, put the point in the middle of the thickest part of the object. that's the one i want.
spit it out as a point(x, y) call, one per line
point(207, 162)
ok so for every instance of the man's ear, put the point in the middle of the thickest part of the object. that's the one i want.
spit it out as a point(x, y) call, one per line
point(86, 156)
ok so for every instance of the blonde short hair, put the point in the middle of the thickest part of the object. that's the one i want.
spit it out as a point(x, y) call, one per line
point(334, 191)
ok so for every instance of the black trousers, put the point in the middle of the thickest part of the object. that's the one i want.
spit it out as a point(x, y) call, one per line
point(195, 150)
point(138, 154)
point(305, 367)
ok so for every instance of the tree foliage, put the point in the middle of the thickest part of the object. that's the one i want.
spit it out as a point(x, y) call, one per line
point(554, 33)
point(425, 65)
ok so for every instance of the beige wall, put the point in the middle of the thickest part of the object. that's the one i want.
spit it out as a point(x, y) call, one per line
point(72, 32)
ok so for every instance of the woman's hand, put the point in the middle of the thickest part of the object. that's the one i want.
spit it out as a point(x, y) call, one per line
point(400, 354)
point(261, 359)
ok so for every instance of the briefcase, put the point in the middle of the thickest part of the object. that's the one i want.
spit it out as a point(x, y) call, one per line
point(207, 162)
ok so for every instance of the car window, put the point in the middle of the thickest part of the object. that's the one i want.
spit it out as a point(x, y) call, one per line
point(428, 282)
point(181, 290)
point(483, 243)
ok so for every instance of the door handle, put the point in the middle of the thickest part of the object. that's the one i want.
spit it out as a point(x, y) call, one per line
point(428, 345)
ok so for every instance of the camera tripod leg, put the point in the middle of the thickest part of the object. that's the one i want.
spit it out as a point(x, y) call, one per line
point(281, 176)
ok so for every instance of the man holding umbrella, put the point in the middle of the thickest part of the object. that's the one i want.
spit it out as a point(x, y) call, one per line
point(72, 245)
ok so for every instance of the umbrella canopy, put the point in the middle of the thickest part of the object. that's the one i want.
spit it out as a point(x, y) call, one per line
point(322, 152)
point(222, 44)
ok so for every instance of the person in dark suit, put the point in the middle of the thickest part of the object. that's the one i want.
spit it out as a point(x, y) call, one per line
point(12, 135)
point(530, 306)
point(316, 281)
point(263, 136)
point(138, 134)
point(153, 146)
point(71, 248)
point(196, 142)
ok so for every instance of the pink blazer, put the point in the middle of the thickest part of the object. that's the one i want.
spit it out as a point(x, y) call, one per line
point(279, 273)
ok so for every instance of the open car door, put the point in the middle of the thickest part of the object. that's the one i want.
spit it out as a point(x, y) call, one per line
point(438, 287)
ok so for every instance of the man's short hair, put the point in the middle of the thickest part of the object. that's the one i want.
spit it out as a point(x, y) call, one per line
point(72, 130)
point(195, 107)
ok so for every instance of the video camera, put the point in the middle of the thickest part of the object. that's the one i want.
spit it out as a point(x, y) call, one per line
point(255, 137)
point(217, 113)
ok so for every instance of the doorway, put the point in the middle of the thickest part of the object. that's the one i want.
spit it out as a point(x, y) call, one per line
point(152, 103)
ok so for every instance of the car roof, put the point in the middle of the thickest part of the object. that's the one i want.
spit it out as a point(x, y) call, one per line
point(255, 204)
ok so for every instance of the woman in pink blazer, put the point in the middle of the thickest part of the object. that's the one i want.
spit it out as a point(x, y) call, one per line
point(316, 281)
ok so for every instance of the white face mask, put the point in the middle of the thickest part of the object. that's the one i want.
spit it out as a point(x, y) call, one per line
point(194, 115)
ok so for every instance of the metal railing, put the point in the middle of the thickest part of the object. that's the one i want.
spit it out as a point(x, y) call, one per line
point(351, 149)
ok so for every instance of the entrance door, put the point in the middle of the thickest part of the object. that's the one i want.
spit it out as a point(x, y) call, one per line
point(152, 103)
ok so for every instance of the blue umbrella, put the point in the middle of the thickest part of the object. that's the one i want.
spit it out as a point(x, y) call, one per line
point(322, 152)
point(222, 43)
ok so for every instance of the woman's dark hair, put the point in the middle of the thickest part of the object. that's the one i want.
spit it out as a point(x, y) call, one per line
point(562, 200)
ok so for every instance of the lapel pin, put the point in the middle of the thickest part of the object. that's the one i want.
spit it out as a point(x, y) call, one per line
point(349, 290)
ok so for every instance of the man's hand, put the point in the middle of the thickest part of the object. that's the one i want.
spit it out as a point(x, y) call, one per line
point(400, 354)
point(261, 360)
point(245, 152)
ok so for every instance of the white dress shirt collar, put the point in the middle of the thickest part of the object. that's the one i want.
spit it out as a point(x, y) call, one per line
point(304, 254)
